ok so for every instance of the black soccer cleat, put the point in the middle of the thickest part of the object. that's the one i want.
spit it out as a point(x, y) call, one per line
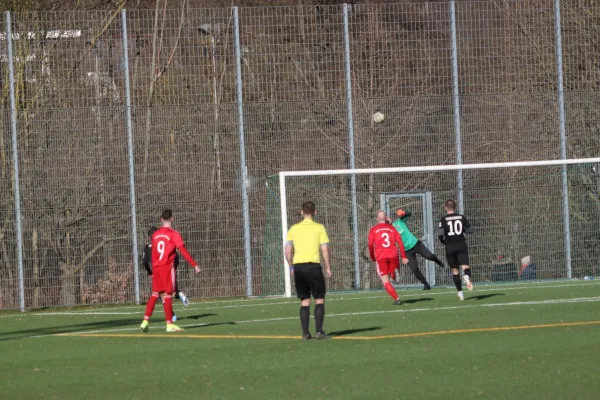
point(322, 336)
point(306, 337)
point(397, 302)
point(427, 287)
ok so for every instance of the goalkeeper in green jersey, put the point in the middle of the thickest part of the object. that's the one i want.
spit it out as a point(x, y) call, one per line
point(414, 246)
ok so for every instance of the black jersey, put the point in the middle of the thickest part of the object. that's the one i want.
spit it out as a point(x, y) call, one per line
point(452, 228)
point(147, 259)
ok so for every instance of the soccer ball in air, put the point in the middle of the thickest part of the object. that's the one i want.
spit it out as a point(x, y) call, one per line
point(378, 117)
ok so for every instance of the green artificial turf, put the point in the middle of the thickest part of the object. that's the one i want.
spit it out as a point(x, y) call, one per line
point(47, 355)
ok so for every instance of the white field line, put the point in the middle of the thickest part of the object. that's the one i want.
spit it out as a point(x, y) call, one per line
point(334, 296)
point(102, 311)
point(397, 310)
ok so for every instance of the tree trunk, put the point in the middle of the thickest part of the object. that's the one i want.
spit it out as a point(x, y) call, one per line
point(68, 284)
point(9, 299)
point(216, 103)
point(82, 285)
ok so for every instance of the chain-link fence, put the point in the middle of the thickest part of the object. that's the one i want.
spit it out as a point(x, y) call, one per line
point(459, 82)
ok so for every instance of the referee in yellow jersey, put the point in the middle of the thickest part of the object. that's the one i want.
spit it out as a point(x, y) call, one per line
point(304, 240)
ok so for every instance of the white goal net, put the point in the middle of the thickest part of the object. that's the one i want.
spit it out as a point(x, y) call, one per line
point(532, 220)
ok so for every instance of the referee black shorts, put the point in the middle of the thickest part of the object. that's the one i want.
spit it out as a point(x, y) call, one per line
point(457, 254)
point(309, 280)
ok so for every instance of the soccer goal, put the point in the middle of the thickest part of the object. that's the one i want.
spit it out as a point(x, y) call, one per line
point(535, 220)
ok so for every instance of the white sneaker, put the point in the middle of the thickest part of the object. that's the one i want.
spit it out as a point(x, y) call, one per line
point(468, 282)
point(460, 296)
point(174, 318)
point(184, 299)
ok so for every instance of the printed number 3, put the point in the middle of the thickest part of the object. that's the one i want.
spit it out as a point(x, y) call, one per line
point(455, 228)
point(386, 239)
point(161, 249)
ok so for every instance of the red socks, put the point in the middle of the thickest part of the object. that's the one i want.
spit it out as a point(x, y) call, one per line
point(391, 291)
point(150, 306)
point(168, 306)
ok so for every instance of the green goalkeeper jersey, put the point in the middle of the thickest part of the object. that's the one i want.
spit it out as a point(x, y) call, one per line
point(408, 238)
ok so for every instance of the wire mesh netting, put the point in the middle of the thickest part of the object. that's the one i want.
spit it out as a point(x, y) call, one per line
point(72, 127)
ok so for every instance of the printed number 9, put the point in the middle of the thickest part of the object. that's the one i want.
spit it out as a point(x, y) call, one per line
point(161, 249)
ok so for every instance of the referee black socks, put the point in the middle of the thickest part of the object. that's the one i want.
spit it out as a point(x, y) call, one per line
point(304, 319)
point(319, 317)
point(457, 282)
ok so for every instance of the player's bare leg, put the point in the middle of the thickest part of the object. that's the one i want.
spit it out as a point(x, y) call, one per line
point(467, 277)
point(457, 283)
point(385, 280)
point(149, 310)
point(305, 318)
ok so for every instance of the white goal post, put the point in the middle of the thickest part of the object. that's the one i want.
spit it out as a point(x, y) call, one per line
point(545, 170)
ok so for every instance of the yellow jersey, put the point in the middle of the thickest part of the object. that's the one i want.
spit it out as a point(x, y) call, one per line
point(307, 237)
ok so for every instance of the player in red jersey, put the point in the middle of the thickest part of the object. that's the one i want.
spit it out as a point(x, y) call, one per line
point(383, 238)
point(165, 242)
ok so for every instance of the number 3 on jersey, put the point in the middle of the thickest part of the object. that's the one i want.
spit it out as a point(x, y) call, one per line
point(455, 228)
point(161, 249)
point(386, 240)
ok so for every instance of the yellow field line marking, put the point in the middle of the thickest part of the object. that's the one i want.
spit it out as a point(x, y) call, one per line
point(473, 330)
point(380, 337)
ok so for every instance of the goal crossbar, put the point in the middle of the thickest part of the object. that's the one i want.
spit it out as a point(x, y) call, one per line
point(438, 168)
point(429, 168)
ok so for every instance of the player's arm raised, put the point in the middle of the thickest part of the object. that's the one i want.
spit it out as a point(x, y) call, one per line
point(404, 215)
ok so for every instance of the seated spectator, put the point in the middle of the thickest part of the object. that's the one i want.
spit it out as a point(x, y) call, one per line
point(528, 269)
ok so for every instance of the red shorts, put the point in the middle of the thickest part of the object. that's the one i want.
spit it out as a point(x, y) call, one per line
point(387, 266)
point(163, 279)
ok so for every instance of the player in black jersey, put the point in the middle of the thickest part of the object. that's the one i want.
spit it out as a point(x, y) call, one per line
point(451, 231)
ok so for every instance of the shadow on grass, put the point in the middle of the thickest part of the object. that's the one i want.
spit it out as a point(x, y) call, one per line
point(353, 331)
point(417, 300)
point(196, 317)
point(484, 296)
point(191, 327)
point(89, 326)
point(53, 330)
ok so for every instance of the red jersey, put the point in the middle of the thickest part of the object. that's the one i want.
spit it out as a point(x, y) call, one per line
point(165, 243)
point(383, 238)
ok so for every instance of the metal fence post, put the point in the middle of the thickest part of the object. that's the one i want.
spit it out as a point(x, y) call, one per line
point(15, 151)
point(350, 118)
point(243, 166)
point(456, 105)
point(563, 138)
point(136, 267)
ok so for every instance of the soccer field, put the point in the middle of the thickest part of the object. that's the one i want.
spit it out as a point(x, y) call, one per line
point(527, 341)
